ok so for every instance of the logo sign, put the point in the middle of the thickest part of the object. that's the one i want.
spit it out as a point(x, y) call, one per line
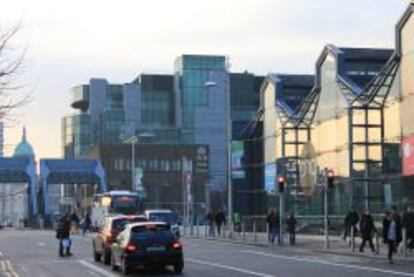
point(308, 169)
point(270, 177)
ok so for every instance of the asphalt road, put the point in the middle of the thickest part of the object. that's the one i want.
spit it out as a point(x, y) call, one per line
point(34, 253)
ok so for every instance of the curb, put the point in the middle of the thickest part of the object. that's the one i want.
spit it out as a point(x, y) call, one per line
point(321, 251)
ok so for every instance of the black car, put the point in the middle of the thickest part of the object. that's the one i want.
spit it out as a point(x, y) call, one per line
point(147, 244)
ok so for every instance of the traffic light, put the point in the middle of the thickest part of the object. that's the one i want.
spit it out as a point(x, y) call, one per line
point(330, 178)
point(281, 182)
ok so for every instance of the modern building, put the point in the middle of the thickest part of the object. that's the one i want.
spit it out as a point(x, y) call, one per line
point(186, 110)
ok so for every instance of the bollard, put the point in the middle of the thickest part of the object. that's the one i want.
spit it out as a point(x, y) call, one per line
point(267, 234)
point(404, 242)
point(243, 232)
point(352, 239)
point(205, 230)
point(377, 243)
point(198, 228)
point(254, 231)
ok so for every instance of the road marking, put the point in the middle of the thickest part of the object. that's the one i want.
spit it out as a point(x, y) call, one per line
point(11, 269)
point(41, 244)
point(319, 261)
point(229, 268)
point(97, 269)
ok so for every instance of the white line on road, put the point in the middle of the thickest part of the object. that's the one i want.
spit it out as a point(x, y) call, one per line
point(229, 268)
point(319, 261)
point(97, 268)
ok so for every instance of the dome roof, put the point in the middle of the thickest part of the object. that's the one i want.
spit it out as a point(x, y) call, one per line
point(24, 148)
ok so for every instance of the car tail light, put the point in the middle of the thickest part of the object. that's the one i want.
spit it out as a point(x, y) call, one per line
point(131, 248)
point(177, 245)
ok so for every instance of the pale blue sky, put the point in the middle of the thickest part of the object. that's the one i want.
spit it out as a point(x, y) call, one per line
point(71, 41)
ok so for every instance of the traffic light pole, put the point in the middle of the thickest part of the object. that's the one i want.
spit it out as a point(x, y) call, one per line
point(281, 213)
point(326, 220)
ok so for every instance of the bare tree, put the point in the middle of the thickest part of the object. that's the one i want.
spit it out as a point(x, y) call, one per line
point(11, 66)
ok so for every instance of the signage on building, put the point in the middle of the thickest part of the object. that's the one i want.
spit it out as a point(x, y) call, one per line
point(408, 155)
point(237, 160)
point(270, 177)
point(308, 169)
point(201, 165)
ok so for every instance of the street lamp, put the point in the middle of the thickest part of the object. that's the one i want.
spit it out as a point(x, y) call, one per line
point(210, 84)
point(133, 140)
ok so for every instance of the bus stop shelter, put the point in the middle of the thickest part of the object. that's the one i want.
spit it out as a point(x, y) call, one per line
point(69, 172)
point(20, 170)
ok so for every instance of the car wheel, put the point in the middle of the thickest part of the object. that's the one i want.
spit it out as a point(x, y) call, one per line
point(96, 255)
point(106, 258)
point(113, 264)
point(124, 268)
point(178, 268)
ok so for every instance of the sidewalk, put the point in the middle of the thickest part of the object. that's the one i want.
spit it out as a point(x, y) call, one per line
point(309, 243)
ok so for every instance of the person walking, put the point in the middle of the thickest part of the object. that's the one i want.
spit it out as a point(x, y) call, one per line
point(210, 221)
point(408, 224)
point(63, 235)
point(273, 226)
point(220, 218)
point(351, 221)
point(391, 232)
point(367, 228)
point(86, 224)
point(291, 228)
point(74, 220)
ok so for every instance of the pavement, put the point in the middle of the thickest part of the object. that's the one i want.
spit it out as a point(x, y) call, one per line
point(34, 253)
point(310, 243)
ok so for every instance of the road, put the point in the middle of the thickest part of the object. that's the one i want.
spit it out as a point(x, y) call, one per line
point(34, 253)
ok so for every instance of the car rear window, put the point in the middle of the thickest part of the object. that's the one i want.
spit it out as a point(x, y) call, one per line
point(120, 223)
point(150, 228)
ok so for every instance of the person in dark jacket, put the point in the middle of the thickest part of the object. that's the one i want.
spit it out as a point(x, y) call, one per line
point(367, 228)
point(351, 221)
point(220, 218)
point(210, 221)
point(63, 235)
point(291, 228)
point(408, 224)
point(391, 232)
point(273, 226)
point(86, 224)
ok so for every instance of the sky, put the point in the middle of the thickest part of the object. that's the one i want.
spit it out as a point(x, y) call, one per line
point(69, 42)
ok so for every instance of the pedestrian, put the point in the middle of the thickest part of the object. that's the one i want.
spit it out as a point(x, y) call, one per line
point(391, 232)
point(210, 221)
point(63, 235)
point(86, 224)
point(408, 224)
point(367, 228)
point(237, 222)
point(74, 220)
point(273, 226)
point(351, 221)
point(291, 228)
point(220, 218)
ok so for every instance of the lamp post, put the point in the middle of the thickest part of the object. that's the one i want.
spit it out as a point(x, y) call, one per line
point(132, 140)
point(210, 84)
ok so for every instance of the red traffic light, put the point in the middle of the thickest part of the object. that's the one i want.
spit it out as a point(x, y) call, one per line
point(330, 174)
point(281, 179)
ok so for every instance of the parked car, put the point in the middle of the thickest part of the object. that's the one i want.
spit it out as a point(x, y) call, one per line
point(109, 229)
point(147, 244)
point(166, 216)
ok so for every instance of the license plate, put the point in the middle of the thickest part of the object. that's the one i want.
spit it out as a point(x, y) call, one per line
point(155, 248)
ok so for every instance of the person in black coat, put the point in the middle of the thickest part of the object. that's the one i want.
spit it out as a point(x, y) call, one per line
point(391, 232)
point(367, 228)
point(291, 228)
point(220, 218)
point(408, 224)
point(63, 235)
point(351, 221)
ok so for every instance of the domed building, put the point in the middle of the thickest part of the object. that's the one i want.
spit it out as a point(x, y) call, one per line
point(16, 205)
point(24, 148)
